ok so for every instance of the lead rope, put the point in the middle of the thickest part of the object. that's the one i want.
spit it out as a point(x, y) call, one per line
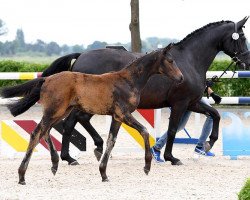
point(216, 79)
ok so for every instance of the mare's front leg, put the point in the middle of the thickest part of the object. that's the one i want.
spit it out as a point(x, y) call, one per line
point(176, 114)
point(208, 110)
point(115, 126)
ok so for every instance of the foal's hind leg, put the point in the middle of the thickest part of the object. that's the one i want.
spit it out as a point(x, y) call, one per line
point(53, 153)
point(39, 131)
point(115, 125)
point(131, 121)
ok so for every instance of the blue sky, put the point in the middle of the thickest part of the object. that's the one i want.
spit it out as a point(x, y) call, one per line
point(84, 21)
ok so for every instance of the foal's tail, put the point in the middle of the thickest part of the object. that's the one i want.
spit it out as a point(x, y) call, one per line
point(30, 91)
point(61, 64)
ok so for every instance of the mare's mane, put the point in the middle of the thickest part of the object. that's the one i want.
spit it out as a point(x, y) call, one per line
point(197, 31)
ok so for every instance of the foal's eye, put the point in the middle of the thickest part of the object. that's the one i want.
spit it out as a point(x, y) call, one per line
point(170, 60)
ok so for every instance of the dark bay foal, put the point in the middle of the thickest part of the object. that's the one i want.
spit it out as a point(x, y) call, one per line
point(116, 94)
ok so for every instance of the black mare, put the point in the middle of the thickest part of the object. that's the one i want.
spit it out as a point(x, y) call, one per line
point(193, 55)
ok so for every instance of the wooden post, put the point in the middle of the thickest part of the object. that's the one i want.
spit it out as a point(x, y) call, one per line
point(135, 26)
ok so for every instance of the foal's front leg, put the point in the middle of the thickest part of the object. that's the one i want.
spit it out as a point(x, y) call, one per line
point(131, 121)
point(115, 126)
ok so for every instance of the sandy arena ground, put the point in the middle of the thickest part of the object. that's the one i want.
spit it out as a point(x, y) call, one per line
point(204, 178)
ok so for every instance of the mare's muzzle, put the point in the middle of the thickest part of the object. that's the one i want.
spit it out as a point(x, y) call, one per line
point(243, 60)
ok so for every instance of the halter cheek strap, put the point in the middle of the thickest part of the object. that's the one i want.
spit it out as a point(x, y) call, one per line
point(235, 35)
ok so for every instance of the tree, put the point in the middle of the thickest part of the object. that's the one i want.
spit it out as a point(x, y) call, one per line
point(96, 45)
point(77, 48)
point(135, 26)
point(3, 29)
point(19, 40)
point(53, 48)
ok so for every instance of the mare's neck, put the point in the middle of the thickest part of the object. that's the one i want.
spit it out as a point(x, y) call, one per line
point(199, 51)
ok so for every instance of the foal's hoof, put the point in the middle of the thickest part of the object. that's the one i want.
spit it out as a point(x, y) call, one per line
point(105, 180)
point(178, 162)
point(98, 154)
point(146, 171)
point(74, 163)
point(22, 183)
point(207, 146)
point(53, 170)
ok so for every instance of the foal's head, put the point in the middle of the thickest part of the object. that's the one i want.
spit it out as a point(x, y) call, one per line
point(167, 65)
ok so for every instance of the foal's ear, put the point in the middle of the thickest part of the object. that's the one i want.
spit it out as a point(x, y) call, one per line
point(241, 23)
point(167, 48)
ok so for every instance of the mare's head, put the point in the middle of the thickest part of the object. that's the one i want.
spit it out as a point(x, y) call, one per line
point(234, 44)
point(167, 65)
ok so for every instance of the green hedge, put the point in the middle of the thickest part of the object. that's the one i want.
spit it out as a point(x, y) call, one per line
point(230, 87)
point(15, 66)
point(245, 191)
point(227, 87)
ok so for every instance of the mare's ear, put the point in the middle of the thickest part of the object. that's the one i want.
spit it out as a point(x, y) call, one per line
point(167, 48)
point(241, 23)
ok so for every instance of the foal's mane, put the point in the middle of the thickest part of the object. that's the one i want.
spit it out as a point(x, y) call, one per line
point(143, 58)
point(204, 28)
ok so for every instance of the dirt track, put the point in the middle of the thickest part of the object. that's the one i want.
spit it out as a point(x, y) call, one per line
point(205, 178)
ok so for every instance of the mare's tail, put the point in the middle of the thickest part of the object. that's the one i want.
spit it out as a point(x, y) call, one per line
point(30, 92)
point(61, 64)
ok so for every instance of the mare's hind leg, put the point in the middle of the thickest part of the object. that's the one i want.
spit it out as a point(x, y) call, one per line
point(84, 120)
point(39, 131)
point(115, 125)
point(208, 110)
point(68, 126)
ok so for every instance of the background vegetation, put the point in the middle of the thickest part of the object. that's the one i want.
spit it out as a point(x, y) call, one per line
point(245, 191)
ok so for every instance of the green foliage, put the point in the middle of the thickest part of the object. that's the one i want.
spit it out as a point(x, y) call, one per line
point(14, 66)
point(245, 191)
point(230, 87)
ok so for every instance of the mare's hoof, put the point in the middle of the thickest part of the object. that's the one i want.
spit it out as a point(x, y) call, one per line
point(98, 154)
point(74, 163)
point(53, 170)
point(207, 146)
point(177, 163)
point(22, 183)
point(146, 171)
point(105, 180)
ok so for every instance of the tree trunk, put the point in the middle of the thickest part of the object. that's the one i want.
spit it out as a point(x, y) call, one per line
point(135, 27)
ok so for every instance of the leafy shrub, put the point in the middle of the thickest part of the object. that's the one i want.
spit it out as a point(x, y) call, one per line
point(14, 66)
point(245, 191)
point(230, 87)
